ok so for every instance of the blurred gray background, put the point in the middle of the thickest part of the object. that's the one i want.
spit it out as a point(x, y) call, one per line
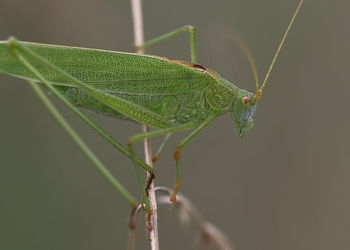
point(284, 186)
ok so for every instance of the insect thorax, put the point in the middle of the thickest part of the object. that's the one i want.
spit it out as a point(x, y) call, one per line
point(221, 95)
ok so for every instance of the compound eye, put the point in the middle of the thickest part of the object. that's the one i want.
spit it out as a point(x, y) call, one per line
point(246, 101)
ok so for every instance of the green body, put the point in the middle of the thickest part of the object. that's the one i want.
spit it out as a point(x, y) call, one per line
point(164, 94)
point(174, 91)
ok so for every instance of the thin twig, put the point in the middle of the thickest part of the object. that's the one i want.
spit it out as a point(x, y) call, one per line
point(132, 226)
point(151, 219)
point(208, 232)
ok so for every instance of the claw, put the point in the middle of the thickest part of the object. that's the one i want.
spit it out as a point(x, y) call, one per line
point(175, 190)
point(155, 158)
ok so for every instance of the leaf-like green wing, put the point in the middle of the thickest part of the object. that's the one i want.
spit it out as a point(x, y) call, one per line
point(158, 84)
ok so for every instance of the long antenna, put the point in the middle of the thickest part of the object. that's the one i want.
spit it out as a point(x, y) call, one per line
point(248, 55)
point(259, 92)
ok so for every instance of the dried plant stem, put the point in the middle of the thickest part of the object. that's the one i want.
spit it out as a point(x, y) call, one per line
point(209, 232)
point(151, 219)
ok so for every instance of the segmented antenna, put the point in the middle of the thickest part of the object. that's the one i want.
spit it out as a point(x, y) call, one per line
point(248, 55)
point(259, 91)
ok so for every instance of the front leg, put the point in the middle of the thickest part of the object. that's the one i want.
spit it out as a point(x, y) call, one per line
point(177, 154)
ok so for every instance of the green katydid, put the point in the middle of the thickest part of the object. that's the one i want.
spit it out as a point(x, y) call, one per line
point(164, 94)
